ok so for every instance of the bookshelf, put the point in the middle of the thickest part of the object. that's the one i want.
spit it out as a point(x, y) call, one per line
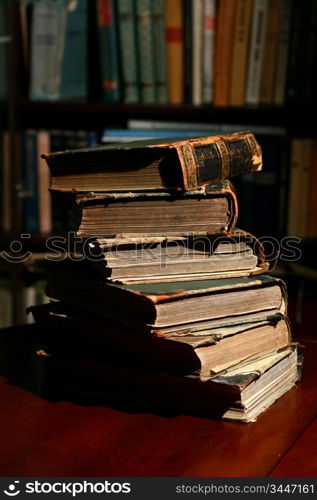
point(20, 113)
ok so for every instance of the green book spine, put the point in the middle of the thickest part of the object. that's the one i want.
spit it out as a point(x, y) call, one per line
point(160, 51)
point(145, 40)
point(74, 82)
point(108, 49)
point(128, 50)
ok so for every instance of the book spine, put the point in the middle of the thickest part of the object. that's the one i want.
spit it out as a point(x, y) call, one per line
point(209, 24)
point(74, 83)
point(282, 54)
point(108, 50)
point(270, 51)
point(188, 55)
point(160, 51)
point(204, 162)
point(175, 50)
point(197, 59)
point(30, 181)
point(312, 195)
point(6, 182)
point(256, 51)
point(44, 182)
point(128, 50)
point(145, 40)
point(295, 53)
point(224, 51)
point(294, 187)
point(4, 49)
point(240, 51)
point(47, 48)
point(305, 172)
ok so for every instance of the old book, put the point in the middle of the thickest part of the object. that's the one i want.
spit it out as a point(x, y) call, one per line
point(183, 164)
point(174, 22)
point(47, 48)
point(312, 195)
point(68, 331)
point(256, 51)
point(209, 28)
point(128, 50)
point(224, 51)
point(109, 50)
point(74, 77)
point(273, 27)
point(145, 46)
point(197, 51)
point(208, 210)
point(44, 180)
point(160, 51)
point(177, 258)
point(240, 52)
point(169, 307)
point(282, 54)
point(241, 394)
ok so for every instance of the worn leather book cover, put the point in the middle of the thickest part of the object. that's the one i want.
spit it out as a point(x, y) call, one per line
point(183, 164)
point(68, 331)
point(206, 210)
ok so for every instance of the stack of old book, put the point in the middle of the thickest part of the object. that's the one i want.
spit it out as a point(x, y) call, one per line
point(168, 304)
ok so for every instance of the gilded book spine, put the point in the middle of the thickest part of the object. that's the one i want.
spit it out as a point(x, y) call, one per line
point(145, 40)
point(206, 162)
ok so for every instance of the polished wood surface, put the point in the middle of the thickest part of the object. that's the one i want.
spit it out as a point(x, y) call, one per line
point(45, 438)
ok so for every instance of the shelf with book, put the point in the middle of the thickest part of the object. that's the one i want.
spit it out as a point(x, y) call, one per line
point(97, 115)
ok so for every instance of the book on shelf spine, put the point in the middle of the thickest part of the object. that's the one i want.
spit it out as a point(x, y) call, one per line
point(160, 51)
point(197, 49)
point(128, 50)
point(188, 55)
point(145, 44)
point(44, 182)
point(240, 52)
point(273, 27)
point(6, 302)
point(4, 48)
point(256, 51)
point(30, 181)
point(307, 84)
point(312, 195)
point(6, 181)
point(209, 24)
point(224, 51)
point(305, 172)
point(74, 79)
point(282, 54)
point(47, 47)
point(295, 52)
point(108, 50)
point(175, 50)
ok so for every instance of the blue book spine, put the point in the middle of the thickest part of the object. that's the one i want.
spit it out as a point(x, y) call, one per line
point(109, 50)
point(74, 83)
point(30, 182)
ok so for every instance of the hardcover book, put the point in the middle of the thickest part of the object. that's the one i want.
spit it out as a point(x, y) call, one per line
point(241, 394)
point(68, 331)
point(170, 307)
point(208, 210)
point(166, 258)
point(181, 165)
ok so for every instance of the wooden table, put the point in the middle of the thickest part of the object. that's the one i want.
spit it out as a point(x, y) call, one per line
point(44, 438)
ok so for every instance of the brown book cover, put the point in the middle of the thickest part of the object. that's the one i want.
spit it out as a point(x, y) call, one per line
point(224, 51)
point(174, 20)
point(44, 181)
point(270, 51)
point(171, 164)
point(68, 331)
point(240, 52)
